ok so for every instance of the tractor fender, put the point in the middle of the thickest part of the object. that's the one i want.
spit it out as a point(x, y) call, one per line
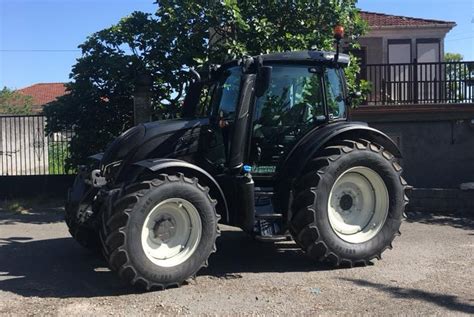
point(315, 140)
point(189, 169)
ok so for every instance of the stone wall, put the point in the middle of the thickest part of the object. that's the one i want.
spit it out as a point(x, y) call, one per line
point(437, 144)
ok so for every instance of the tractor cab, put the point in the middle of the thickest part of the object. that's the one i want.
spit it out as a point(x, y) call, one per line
point(278, 98)
point(259, 109)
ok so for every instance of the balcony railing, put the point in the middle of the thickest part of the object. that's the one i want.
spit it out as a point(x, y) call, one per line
point(419, 83)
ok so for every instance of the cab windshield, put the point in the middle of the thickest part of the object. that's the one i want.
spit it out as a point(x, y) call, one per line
point(298, 99)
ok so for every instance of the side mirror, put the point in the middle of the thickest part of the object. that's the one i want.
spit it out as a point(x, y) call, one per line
point(353, 96)
point(264, 76)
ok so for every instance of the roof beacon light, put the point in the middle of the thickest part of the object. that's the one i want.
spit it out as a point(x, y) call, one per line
point(338, 35)
point(338, 32)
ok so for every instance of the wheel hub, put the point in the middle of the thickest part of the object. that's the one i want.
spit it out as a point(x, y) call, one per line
point(171, 232)
point(346, 202)
point(358, 204)
point(164, 228)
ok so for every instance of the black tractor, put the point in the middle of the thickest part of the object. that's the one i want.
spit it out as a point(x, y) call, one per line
point(263, 143)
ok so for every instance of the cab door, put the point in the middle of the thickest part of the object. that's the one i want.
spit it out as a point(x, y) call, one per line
point(292, 105)
point(216, 139)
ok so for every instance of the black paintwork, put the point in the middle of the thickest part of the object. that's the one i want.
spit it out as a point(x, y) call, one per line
point(315, 140)
point(156, 165)
point(300, 57)
point(237, 155)
point(160, 139)
point(181, 145)
point(305, 56)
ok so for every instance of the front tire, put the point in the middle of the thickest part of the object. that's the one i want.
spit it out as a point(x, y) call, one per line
point(161, 232)
point(80, 216)
point(350, 203)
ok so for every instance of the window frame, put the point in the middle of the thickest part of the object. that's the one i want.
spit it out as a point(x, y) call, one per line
point(399, 42)
point(340, 72)
point(215, 107)
point(319, 72)
point(319, 68)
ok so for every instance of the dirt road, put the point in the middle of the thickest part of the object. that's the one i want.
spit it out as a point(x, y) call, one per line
point(429, 271)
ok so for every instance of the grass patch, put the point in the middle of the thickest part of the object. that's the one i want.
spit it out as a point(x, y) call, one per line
point(16, 206)
point(57, 155)
point(26, 206)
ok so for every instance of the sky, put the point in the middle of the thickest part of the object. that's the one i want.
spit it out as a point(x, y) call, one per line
point(39, 38)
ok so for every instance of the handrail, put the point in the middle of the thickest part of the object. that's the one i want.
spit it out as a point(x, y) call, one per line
point(425, 83)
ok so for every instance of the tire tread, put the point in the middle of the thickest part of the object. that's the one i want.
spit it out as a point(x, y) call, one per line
point(305, 232)
point(113, 229)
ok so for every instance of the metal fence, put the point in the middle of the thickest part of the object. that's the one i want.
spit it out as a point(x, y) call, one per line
point(413, 83)
point(26, 148)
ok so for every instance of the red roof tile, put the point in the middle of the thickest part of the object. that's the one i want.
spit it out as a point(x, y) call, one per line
point(43, 93)
point(384, 20)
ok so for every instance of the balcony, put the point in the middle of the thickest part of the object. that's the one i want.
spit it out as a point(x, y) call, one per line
point(419, 83)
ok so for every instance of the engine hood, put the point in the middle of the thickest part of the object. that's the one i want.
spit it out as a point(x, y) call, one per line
point(152, 140)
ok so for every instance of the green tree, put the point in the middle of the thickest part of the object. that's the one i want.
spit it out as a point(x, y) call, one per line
point(13, 102)
point(453, 57)
point(457, 76)
point(182, 34)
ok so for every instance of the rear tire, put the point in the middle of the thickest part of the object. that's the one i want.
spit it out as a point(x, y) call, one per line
point(161, 232)
point(349, 205)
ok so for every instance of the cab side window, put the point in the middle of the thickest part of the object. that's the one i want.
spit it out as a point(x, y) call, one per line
point(203, 106)
point(227, 93)
point(197, 102)
point(335, 93)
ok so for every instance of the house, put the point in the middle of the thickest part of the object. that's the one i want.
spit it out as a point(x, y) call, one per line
point(402, 58)
point(397, 39)
point(25, 148)
point(424, 103)
point(43, 93)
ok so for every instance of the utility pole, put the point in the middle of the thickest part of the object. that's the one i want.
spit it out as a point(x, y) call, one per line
point(142, 98)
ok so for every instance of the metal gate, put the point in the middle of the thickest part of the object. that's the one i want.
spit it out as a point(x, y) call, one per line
point(26, 148)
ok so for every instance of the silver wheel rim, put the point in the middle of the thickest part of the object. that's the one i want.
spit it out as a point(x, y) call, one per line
point(358, 205)
point(171, 232)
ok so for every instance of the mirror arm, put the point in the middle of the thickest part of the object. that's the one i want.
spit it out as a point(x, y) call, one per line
point(195, 74)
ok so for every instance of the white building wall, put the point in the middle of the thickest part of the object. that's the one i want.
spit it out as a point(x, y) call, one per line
point(401, 33)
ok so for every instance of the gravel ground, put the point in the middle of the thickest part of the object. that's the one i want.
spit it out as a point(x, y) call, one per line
point(429, 271)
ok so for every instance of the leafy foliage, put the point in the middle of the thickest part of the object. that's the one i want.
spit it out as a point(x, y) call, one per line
point(57, 155)
point(13, 102)
point(182, 34)
point(457, 76)
point(355, 85)
point(453, 57)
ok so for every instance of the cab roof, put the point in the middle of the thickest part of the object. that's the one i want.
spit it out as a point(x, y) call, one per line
point(309, 57)
point(305, 56)
point(296, 57)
